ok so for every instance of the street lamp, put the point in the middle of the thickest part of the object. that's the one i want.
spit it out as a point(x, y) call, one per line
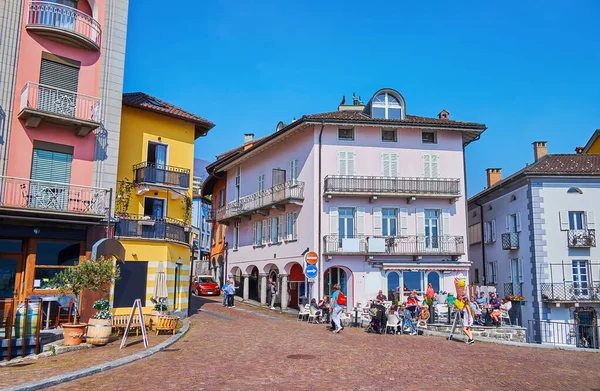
point(193, 252)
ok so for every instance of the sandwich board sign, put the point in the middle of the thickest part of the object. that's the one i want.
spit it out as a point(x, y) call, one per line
point(137, 304)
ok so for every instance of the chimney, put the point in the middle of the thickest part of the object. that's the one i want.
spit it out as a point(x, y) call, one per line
point(579, 150)
point(248, 137)
point(444, 114)
point(494, 175)
point(540, 149)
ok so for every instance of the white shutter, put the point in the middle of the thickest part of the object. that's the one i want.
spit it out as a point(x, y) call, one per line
point(493, 228)
point(266, 233)
point(394, 164)
point(590, 218)
point(510, 271)
point(403, 212)
point(385, 164)
point(341, 163)
point(518, 221)
point(334, 220)
point(377, 222)
point(283, 231)
point(426, 165)
point(351, 160)
point(445, 221)
point(521, 278)
point(507, 223)
point(360, 221)
point(564, 220)
point(254, 233)
point(420, 212)
point(435, 165)
point(486, 236)
point(295, 225)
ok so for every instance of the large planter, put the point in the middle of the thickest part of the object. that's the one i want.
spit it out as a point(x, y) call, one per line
point(98, 331)
point(73, 333)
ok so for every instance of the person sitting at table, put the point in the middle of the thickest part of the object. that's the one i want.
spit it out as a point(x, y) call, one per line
point(380, 297)
point(476, 310)
point(408, 323)
point(505, 305)
point(412, 304)
point(324, 307)
point(482, 299)
point(494, 306)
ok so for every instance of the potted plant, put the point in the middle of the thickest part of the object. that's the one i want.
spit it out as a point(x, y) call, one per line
point(160, 308)
point(187, 211)
point(96, 276)
point(99, 325)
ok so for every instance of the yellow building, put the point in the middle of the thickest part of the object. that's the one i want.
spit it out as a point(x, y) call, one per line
point(153, 198)
point(593, 145)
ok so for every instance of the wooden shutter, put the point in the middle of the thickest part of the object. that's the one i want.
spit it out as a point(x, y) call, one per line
point(351, 163)
point(518, 218)
point(294, 169)
point(377, 222)
point(521, 278)
point(266, 233)
point(435, 165)
point(507, 223)
point(445, 221)
point(385, 164)
point(360, 221)
point(510, 270)
point(563, 216)
point(420, 212)
point(283, 221)
point(342, 163)
point(426, 165)
point(334, 220)
point(493, 228)
point(590, 217)
point(486, 234)
point(254, 234)
point(394, 164)
point(403, 217)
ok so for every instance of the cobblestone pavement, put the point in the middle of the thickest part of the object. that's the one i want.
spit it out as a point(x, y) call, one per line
point(252, 349)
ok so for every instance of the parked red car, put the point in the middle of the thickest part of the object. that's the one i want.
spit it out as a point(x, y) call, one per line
point(205, 285)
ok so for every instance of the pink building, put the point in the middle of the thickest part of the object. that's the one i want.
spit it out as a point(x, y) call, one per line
point(61, 72)
point(378, 194)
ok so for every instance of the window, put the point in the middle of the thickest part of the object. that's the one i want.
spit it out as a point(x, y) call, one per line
point(261, 182)
point(221, 198)
point(490, 231)
point(389, 136)
point(238, 179)
point(393, 282)
point(236, 235)
point(476, 276)
point(49, 167)
point(386, 106)
point(389, 164)
point(390, 221)
point(574, 190)
point(346, 134)
point(346, 162)
point(346, 222)
point(274, 227)
point(258, 233)
point(475, 233)
point(413, 280)
point(51, 258)
point(576, 220)
point(513, 223)
point(294, 169)
point(580, 278)
point(428, 137)
point(292, 226)
point(154, 207)
point(491, 273)
point(433, 278)
point(59, 77)
point(430, 165)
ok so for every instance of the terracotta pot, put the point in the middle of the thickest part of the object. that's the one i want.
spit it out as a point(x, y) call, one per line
point(73, 333)
point(98, 331)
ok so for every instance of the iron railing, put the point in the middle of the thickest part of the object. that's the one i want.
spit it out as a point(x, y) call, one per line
point(32, 194)
point(162, 174)
point(395, 245)
point(148, 227)
point(62, 17)
point(581, 238)
point(510, 241)
point(57, 101)
point(563, 334)
point(389, 185)
point(513, 289)
point(586, 291)
point(278, 194)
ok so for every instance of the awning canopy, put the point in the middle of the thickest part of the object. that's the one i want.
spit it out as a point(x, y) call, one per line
point(107, 248)
point(427, 266)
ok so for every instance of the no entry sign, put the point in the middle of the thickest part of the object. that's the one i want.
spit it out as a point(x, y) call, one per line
point(311, 258)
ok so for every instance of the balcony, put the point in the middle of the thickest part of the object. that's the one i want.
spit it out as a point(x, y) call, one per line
point(147, 227)
point(513, 289)
point(581, 238)
point(373, 186)
point(261, 202)
point(510, 241)
point(571, 292)
point(411, 245)
point(161, 175)
point(64, 24)
point(29, 196)
point(42, 103)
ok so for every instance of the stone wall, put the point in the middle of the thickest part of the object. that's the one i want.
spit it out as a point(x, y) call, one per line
point(512, 333)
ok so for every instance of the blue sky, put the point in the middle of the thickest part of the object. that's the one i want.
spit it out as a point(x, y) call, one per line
point(529, 70)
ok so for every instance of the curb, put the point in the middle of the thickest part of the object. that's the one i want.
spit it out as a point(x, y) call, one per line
point(67, 377)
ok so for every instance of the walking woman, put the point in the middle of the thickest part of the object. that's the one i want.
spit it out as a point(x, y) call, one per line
point(468, 316)
point(336, 308)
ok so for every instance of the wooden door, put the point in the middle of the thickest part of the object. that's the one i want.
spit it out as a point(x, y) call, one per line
point(11, 283)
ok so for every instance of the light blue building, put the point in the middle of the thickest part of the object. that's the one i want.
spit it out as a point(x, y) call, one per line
point(201, 217)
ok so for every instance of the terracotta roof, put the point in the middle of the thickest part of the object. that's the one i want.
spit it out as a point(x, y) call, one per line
point(144, 101)
point(409, 119)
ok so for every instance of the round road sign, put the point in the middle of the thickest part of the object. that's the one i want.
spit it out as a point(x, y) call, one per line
point(311, 271)
point(311, 258)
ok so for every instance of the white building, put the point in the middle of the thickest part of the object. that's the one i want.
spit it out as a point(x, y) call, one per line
point(538, 240)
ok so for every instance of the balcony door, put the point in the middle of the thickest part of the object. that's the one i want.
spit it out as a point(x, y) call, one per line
point(156, 162)
point(59, 81)
point(154, 207)
point(580, 278)
point(432, 228)
point(346, 223)
point(576, 220)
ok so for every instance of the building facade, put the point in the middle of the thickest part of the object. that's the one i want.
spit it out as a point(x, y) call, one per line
point(201, 228)
point(532, 238)
point(154, 204)
point(61, 78)
point(378, 194)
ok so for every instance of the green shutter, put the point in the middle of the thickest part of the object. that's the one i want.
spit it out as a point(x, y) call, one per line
point(51, 166)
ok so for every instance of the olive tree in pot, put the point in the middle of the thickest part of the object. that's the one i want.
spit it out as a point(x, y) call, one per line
point(96, 276)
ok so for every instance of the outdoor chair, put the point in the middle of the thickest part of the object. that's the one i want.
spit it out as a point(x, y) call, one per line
point(422, 322)
point(315, 315)
point(503, 316)
point(393, 322)
point(303, 313)
point(64, 313)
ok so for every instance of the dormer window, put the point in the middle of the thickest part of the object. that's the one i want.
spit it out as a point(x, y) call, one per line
point(386, 106)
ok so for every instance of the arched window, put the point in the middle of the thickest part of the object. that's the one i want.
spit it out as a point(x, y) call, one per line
point(575, 190)
point(335, 275)
point(386, 106)
point(433, 278)
point(393, 281)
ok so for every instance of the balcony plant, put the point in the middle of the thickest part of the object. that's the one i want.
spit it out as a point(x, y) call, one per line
point(100, 324)
point(187, 210)
point(96, 276)
point(123, 197)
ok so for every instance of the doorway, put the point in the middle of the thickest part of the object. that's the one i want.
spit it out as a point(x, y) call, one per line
point(586, 328)
point(432, 233)
point(156, 161)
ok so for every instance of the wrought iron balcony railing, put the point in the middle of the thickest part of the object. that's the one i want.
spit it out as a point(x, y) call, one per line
point(65, 24)
point(563, 334)
point(513, 289)
point(22, 193)
point(395, 245)
point(148, 227)
point(379, 185)
point(581, 238)
point(584, 291)
point(292, 190)
point(510, 241)
point(161, 174)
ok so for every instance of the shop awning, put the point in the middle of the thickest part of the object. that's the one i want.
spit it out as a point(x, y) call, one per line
point(427, 266)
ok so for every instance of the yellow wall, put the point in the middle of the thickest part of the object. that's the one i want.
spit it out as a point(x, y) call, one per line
point(595, 148)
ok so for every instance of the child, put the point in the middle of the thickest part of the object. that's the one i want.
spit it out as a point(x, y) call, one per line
point(468, 315)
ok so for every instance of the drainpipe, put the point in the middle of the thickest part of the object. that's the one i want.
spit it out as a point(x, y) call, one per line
point(319, 213)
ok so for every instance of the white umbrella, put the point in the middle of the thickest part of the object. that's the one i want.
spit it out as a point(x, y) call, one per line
point(161, 292)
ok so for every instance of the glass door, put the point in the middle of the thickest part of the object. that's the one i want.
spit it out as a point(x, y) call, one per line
point(432, 222)
point(580, 278)
point(515, 271)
